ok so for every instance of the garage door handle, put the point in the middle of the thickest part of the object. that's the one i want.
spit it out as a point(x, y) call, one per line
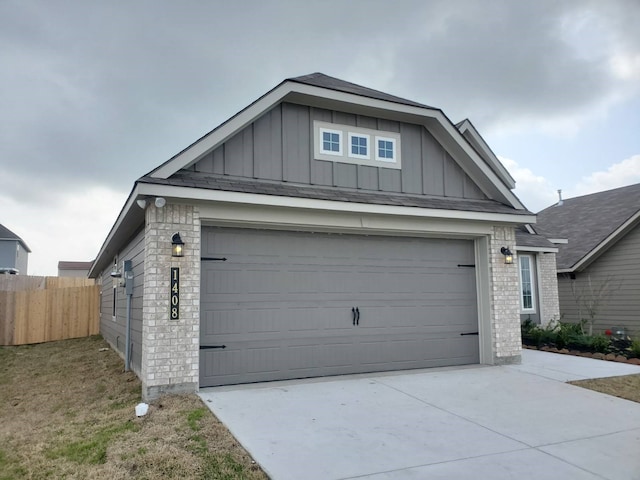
point(357, 316)
point(353, 314)
point(470, 333)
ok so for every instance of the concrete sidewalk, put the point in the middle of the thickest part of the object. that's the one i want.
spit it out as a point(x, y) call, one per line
point(514, 422)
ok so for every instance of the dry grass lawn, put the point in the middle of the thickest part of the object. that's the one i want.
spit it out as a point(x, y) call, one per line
point(627, 386)
point(67, 411)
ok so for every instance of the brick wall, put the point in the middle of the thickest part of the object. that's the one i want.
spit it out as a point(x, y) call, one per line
point(170, 348)
point(548, 281)
point(505, 301)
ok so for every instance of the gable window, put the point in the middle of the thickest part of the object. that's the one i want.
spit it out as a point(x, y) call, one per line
point(527, 293)
point(386, 151)
point(331, 143)
point(356, 145)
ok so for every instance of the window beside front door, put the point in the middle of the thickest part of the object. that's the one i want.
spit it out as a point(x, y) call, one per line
point(527, 289)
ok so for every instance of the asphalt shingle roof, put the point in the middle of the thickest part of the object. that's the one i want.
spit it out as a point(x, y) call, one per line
point(587, 221)
point(233, 184)
point(526, 239)
point(325, 81)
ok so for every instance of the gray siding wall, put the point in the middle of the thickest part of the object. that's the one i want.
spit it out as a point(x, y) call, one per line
point(620, 307)
point(114, 329)
point(8, 253)
point(22, 259)
point(279, 146)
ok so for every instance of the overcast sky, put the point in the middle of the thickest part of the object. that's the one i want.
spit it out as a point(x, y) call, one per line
point(94, 94)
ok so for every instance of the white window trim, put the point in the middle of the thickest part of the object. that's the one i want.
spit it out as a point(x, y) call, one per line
point(393, 146)
point(344, 156)
point(340, 141)
point(533, 284)
point(357, 155)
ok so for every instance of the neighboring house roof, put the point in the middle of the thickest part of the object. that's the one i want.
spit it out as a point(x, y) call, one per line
point(62, 265)
point(591, 224)
point(6, 234)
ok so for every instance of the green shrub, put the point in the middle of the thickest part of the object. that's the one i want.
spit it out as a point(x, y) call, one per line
point(565, 332)
point(635, 348)
point(600, 343)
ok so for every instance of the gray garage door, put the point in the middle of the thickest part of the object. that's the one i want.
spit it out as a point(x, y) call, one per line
point(293, 305)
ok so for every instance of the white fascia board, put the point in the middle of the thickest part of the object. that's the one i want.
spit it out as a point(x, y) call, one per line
point(606, 243)
point(201, 194)
point(535, 249)
point(559, 241)
point(249, 114)
point(467, 126)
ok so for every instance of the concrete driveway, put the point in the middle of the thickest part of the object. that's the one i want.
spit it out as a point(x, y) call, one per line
point(514, 422)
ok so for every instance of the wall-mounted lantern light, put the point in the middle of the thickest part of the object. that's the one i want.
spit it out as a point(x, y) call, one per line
point(177, 245)
point(508, 256)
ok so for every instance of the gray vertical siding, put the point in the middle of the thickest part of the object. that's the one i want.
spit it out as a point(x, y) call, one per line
point(620, 265)
point(279, 146)
point(114, 331)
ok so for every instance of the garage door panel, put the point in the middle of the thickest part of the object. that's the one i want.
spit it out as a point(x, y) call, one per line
point(282, 304)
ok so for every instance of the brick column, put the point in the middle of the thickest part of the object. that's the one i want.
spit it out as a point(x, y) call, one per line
point(170, 348)
point(505, 299)
point(549, 301)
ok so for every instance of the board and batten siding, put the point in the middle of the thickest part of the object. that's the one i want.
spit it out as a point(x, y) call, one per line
point(620, 307)
point(280, 144)
point(114, 330)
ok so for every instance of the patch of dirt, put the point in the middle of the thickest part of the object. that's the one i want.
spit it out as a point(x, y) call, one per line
point(627, 386)
point(69, 411)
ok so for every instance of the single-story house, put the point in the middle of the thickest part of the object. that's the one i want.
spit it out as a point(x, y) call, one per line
point(598, 237)
point(325, 229)
point(73, 269)
point(14, 252)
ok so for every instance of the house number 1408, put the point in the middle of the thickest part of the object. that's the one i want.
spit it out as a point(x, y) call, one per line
point(174, 309)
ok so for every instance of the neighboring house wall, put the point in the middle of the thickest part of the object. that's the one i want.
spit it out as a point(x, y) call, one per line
point(72, 273)
point(280, 146)
point(22, 258)
point(620, 303)
point(13, 255)
point(113, 329)
point(8, 250)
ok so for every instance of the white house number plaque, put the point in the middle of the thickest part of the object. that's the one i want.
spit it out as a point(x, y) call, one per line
point(174, 309)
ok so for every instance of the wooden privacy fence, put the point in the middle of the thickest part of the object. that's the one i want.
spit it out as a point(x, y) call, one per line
point(44, 309)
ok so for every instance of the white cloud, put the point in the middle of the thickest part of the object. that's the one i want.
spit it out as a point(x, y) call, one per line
point(626, 172)
point(70, 227)
point(535, 191)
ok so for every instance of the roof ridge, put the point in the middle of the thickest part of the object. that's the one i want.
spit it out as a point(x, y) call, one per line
point(323, 80)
